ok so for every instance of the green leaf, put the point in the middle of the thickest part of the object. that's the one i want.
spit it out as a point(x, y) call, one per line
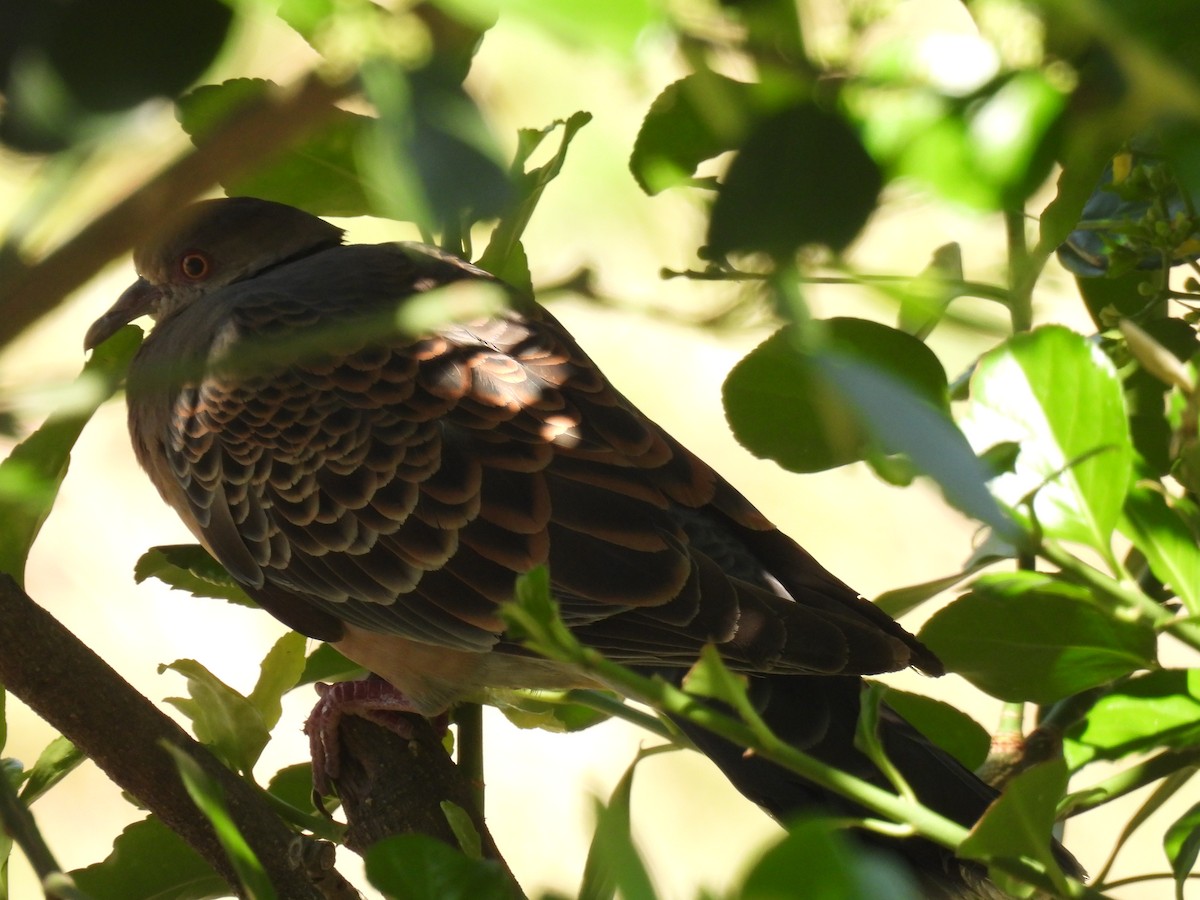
point(815, 854)
point(547, 710)
point(904, 422)
point(1057, 396)
point(801, 177)
point(279, 673)
point(189, 567)
point(989, 151)
point(430, 157)
point(612, 25)
point(694, 119)
point(1165, 539)
point(923, 301)
point(504, 256)
point(1182, 845)
point(1027, 636)
point(418, 867)
point(68, 66)
point(58, 760)
point(228, 723)
point(1147, 712)
point(782, 403)
point(319, 173)
point(898, 601)
point(613, 862)
point(31, 474)
point(150, 862)
point(207, 795)
point(294, 786)
point(465, 832)
point(326, 664)
point(1019, 823)
point(847, 389)
point(952, 730)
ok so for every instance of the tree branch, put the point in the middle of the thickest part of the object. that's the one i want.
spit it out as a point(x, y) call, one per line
point(65, 683)
point(389, 785)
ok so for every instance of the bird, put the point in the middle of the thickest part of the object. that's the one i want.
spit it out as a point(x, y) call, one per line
point(382, 488)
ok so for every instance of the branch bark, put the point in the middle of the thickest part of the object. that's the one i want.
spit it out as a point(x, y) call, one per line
point(44, 665)
point(390, 785)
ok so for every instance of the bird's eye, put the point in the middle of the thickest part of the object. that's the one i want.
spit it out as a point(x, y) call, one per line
point(194, 265)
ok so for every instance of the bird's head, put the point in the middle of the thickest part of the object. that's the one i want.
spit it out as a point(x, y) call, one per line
point(208, 245)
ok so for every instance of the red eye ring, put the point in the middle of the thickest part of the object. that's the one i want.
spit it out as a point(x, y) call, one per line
point(194, 265)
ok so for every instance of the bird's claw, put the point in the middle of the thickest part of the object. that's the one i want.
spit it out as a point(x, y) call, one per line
point(371, 698)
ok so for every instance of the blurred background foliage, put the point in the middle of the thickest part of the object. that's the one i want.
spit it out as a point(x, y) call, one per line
point(934, 245)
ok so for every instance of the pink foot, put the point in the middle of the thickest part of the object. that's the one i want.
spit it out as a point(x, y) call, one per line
point(371, 698)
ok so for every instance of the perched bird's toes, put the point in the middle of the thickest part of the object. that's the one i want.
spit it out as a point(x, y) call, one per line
point(371, 698)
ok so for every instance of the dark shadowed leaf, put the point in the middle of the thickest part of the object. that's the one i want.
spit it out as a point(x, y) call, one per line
point(694, 119)
point(418, 867)
point(816, 855)
point(782, 405)
point(802, 177)
point(294, 786)
point(1027, 636)
point(150, 862)
point(954, 731)
point(319, 174)
point(64, 64)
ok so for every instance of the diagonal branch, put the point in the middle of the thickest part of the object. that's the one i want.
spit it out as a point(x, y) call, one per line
point(44, 665)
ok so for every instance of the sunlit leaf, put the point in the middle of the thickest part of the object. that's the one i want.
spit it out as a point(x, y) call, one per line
point(1019, 823)
point(1060, 399)
point(326, 664)
point(224, 720)
point(1182, 844)
point(613, 861)
point(32, 472)
point(191, 568)
point(58, 760)
point(504, 256)
point(1166, 540)
point(278, 674)
point(1156, 709)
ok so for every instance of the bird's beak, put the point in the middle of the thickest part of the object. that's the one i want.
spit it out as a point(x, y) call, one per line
point(139, 299)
